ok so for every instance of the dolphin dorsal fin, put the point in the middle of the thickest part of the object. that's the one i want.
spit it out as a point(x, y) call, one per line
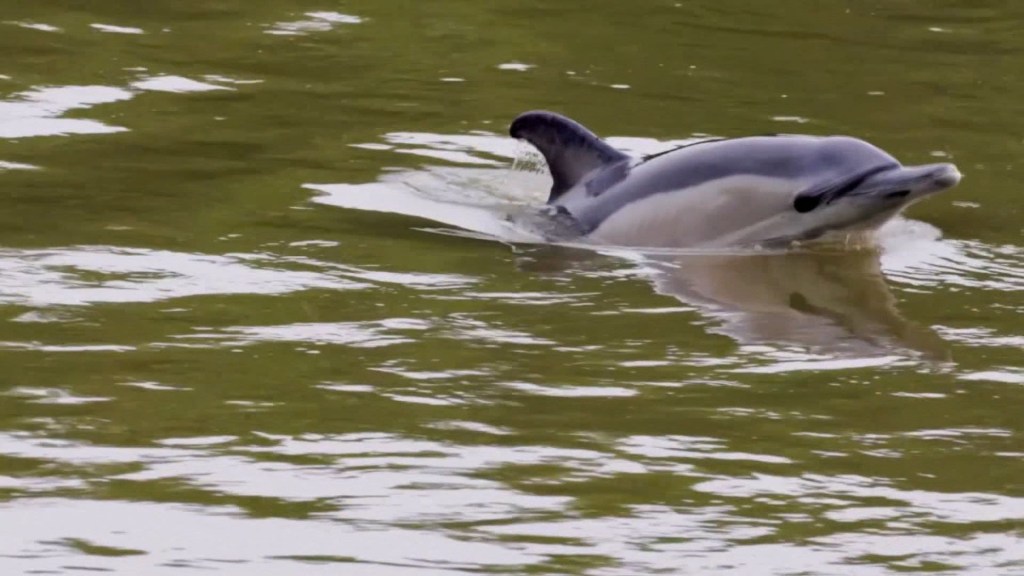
point(570, 150)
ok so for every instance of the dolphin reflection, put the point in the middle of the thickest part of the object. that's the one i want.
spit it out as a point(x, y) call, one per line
point(835, 302)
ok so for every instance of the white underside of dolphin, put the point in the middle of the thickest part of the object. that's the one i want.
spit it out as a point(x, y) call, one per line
point(723, 193)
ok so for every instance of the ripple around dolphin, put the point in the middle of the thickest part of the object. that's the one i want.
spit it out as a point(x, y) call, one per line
point(482, 197)
point(830, 297)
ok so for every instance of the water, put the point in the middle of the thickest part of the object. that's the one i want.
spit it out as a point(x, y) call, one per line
point(256, 319)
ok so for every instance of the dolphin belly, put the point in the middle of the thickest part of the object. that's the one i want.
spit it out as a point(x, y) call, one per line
point(732, 210)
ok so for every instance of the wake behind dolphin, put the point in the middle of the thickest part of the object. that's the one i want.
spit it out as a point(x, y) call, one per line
point(761, 190)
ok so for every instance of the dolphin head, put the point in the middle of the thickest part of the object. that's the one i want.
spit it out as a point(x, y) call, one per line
point(872, 188)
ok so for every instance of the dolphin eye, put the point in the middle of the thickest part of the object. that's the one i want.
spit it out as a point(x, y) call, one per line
point(807, 203)
point(898, 194)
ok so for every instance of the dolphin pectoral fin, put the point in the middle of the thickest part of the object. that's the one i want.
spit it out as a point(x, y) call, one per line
point(571, 151)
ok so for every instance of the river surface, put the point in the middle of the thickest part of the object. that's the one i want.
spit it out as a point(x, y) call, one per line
point(263, 312)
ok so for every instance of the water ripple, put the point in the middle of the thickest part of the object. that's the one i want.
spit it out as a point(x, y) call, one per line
point(97, 274)
point(314, 22)
point(357, 334)
point(38, 112)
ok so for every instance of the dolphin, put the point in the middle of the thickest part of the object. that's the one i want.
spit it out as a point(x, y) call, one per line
point(722, 193)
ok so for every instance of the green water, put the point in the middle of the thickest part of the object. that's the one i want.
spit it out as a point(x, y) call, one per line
point(231, 341)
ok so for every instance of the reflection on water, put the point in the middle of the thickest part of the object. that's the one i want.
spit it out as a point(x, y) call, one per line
point(446, 503)
point(834, 303)
point(371, 334)
point(315, 22)
point(105, 274)
point(38, 112)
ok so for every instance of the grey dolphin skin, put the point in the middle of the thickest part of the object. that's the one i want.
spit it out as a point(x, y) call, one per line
point(758, 190)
